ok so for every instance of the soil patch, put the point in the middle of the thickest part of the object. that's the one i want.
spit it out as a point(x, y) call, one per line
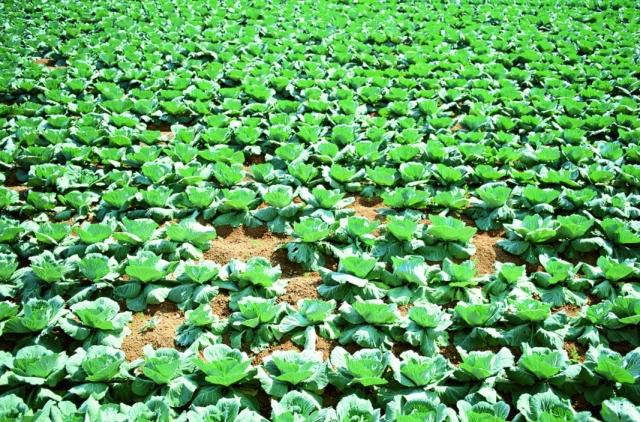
point(571, 309)
point(400, 347)
point(488, 252)
point(220, 305)
point(326, 346)
point(367, 208)
point(575, 350)
point(245, 242)
point(451, 354)
point(11, 182)
point(622, 347)
point(285, 343)
point(580, 404)
point(164, 129)
point(331, 396)
point(162, 335)
point(404, 310)
point(305, 287)
point(50, 63)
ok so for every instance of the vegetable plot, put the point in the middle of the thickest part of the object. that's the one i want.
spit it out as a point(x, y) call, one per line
point(498, 278)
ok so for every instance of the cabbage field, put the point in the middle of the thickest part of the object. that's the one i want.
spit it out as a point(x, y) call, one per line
point(320, 211)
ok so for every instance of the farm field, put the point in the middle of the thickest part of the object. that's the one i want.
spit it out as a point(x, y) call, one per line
point(319, 211)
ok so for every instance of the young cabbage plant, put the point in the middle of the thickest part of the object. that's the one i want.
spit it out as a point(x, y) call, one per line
point(257, 277)
point(34, 365)
point(265, 175)
point(354, 408)
point(299, 405)
point(509, 281)
point(95, 368)
point(287, 370)
point(193, 238)
point(344, 178)
point(310, 244)
point(366, 367)
point(312, 317)
point(229, 408)
point(194, 286)
point(493, 209)
point(357, 276)
point(482, 410)
point(97, 322)
point(541, 367)
point(200, 329)
point(414, 371)
point(530, 237)
point(371, 323)
point(559, 283)
point(257, 322)
point(417, 406)
point(540, 201)
point(482, 320)
point(454, 282)
point(199, 197)
point(448, 237)
point(575, 232)
point(402, 236)
point(621, 239)
point(427, 328)
point(229, 372)
point(354, 235)
point(415, 274)
point(609, 274)
point(327, 205)
point(137, 232)
point(234, 208)
point(407, 200)
point(547, 405)
point(166, 373)
point(37, 317)
point(483, 366)
point(451, 200)
point(148, 272)
point(282, 211)
point(531, 321)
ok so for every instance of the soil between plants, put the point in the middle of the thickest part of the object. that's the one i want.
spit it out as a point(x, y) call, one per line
point(162, 335)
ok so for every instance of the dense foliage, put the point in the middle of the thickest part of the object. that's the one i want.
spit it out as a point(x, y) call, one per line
point(518, 117)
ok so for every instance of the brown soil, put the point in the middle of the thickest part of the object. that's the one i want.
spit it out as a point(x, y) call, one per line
point(456, 127)
point(622, 347)
point(404, 310)
point(51, 64)
point(244, 243)
point(580, 404)
point(575, 349)
point(264, 402)
point(220, 305)
point(326, 346)
point(11, 182)
point(331, 396)
point(400, 347)
point(367, 208)
point(571, 309)
point(488, 252)
point(451, 353)
point(305, 287)
point(285, 343)
point(162, 335)
point(255, 159)
point(590, 258)
point(165, 130)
